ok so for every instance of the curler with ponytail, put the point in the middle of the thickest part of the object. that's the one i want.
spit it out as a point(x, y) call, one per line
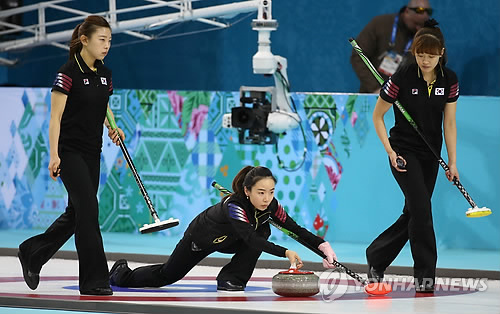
point(87, 28)
point(430, 39)
point(247, 177)
point(238, 181)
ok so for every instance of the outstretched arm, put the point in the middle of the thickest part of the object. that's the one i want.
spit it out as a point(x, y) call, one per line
point(280, 217)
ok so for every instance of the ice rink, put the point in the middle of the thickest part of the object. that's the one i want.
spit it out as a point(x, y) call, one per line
point(197, 293)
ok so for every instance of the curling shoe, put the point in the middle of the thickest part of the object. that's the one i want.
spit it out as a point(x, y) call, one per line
point(424, 286)
point(31, 277)
point(227, 285)
point(427, 288)
point(97, 291)
point(375, 275)
point(115, 271)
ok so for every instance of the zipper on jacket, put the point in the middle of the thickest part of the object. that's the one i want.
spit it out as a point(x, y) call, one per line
point(256, 219)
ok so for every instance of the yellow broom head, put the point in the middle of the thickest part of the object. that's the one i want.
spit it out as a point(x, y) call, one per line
point(478, 212)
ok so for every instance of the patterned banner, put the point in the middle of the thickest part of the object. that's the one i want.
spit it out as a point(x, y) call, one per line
point(179, 147)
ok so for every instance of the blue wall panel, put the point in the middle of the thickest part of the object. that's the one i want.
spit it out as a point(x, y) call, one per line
point(312, 35)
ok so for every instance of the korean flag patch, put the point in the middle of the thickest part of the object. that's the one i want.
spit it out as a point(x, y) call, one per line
point(414, 91)
point(439, 91)
point(86, 81)
point(103, 81)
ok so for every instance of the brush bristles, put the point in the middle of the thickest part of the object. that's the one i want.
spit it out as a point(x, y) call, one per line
point(477, 212)
point(158, 226)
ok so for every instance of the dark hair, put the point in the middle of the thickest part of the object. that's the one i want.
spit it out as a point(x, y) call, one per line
point(429, 39)
point(87, 28)
point(248, 176)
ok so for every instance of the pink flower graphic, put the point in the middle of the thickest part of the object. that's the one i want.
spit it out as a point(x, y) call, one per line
point(197, 117)
point(176, 101)
point(354, 117)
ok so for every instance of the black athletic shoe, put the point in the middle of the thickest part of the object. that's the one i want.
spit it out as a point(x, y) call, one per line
point(427, 288)
point(115, 271)
point(375, 275)
point(97, 291)
point(227, 285)
point(31, 278)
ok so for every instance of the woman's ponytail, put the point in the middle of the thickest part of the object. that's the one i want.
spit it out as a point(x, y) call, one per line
point(75, 45)
point(239, 179)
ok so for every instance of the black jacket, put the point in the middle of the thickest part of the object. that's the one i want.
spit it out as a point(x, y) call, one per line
point(236, 219)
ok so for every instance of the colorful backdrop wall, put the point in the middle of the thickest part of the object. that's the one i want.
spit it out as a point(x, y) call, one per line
point(343, 191)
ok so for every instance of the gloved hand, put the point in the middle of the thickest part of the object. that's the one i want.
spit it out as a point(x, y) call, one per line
point(330, 255)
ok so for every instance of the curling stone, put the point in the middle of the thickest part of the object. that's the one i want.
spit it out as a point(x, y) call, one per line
point(295, 283)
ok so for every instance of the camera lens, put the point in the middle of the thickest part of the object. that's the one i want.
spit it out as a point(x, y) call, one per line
point(242, 117)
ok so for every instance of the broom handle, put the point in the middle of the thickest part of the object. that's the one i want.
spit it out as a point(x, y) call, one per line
point(144, 193)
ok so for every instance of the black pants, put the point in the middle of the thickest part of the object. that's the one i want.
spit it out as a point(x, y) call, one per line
point(80, 175)
point(185, 257)
point(415, 224)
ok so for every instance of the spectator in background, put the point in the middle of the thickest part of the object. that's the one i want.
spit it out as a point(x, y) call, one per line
point(386, 41)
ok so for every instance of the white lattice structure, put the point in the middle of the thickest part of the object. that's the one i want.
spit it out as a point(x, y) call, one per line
point(183, 10)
